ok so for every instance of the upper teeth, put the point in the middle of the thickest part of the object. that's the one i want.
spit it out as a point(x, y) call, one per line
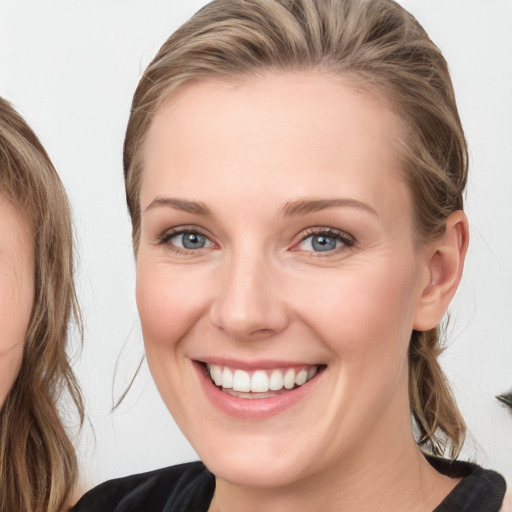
point(260, 381)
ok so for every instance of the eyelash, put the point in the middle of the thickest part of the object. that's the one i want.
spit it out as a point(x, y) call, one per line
point(347, 240)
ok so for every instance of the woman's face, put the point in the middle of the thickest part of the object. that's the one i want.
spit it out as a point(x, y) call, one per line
point(278, 280)
point(16, 291)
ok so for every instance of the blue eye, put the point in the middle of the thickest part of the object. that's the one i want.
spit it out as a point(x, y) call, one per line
point(324, 242)
point(189, 240)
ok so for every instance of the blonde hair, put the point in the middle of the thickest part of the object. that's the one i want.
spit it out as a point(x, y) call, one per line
point(38, 467)
point(380, 47)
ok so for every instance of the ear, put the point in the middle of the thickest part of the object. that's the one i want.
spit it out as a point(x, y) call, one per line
point(445, 263)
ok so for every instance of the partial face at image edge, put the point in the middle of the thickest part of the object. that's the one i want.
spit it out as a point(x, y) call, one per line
point(17, 291)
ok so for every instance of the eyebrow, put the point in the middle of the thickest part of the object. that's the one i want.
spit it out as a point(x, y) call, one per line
point(305, 206)
point(185, 205)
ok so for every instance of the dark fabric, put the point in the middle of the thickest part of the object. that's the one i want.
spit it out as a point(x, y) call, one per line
point(480, 490)
point(182, 488)
point(190, 487)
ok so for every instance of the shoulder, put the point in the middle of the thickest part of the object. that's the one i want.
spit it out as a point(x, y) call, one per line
point(190, 485)
point(479, 490)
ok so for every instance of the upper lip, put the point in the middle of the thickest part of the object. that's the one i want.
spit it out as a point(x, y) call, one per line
point(266, 364)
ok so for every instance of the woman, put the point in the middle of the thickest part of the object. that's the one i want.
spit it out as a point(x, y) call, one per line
point(294, 173)
point(38, 467)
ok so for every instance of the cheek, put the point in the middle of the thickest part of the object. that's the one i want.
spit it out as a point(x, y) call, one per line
point(169, 304)
point(366, 319)
point(365, 313)
point(15, 310)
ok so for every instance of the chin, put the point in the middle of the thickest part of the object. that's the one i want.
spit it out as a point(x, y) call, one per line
point(254, 470)
point(257, 460)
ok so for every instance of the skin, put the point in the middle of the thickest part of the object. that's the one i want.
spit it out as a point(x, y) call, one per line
point(251, 152)
point(17, 291)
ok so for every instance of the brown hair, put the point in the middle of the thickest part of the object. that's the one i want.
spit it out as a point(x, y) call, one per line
point(380, 47)
point(38, 467)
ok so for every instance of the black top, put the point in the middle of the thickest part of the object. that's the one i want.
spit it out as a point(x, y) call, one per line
point(190, 487)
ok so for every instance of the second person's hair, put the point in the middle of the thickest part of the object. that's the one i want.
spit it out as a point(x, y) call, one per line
point(38, 466)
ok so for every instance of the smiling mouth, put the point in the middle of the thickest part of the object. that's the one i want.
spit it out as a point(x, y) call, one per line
point(263, 383)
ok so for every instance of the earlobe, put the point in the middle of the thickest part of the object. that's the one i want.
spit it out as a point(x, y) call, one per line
point(445, 267)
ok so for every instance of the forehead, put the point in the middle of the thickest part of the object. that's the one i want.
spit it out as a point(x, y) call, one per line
point(312, 130)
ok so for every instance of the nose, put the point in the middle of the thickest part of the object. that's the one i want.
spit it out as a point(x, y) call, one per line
point(249, 305)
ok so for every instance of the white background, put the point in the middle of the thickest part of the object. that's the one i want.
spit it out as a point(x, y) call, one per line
point(71, 66)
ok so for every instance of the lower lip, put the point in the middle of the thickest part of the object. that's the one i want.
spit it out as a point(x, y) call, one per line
point(256, 408)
